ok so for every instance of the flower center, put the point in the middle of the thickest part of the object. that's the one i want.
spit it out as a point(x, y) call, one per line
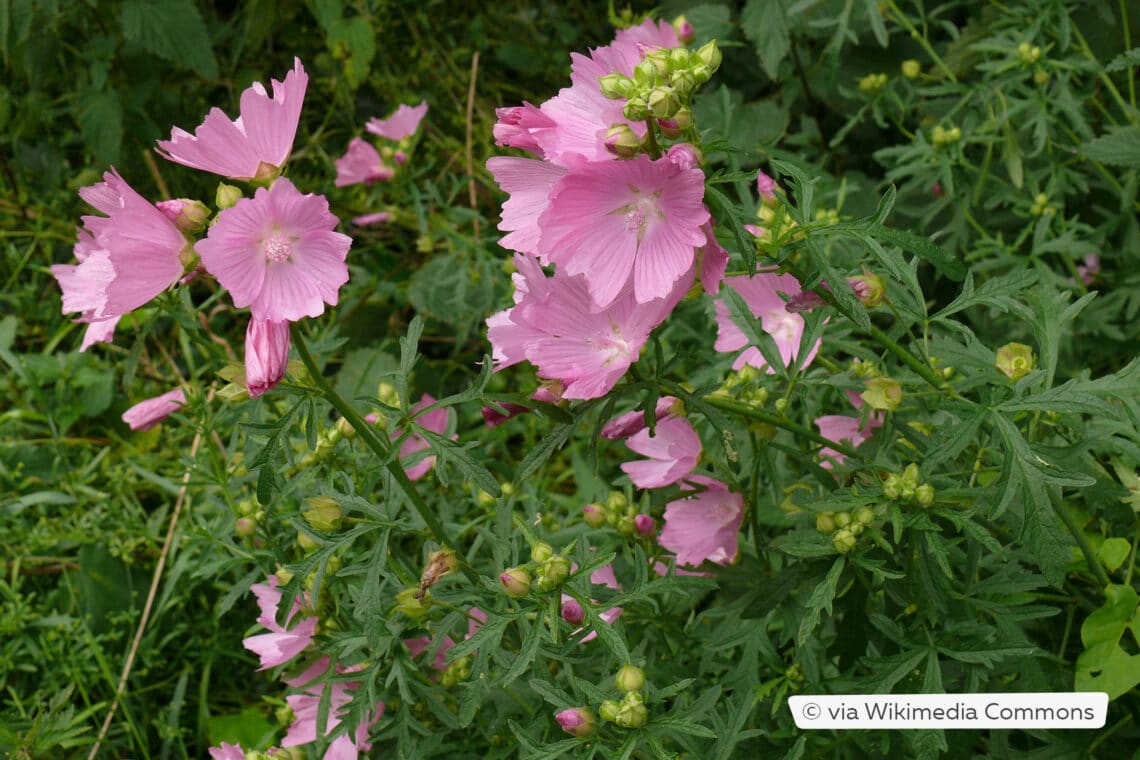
point(278, 247)
point(639, 213)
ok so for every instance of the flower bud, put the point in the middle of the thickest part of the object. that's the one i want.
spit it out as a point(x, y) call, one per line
point(325, 514)
point(645, 525)
point(825, 523)
point(1015, 360)
point(710, 56)
point(660, 60)
point(632, 712)
point(541, 552)
point(622, 141)
point(911, 69)
point(413, 603)
point(594, 515)
point(843, 540)
point(572, 612)
point(630, 678)
point(684, 156)
point(924, 495)
point(226, 196)
point(701, 73)
point(843, 519)
point(553, 573)
point(609, 710)
point(244, 527)
point(892, 487)
point(636, 109)
point(645, 74)
point(386, 393)
point(577, 721)
point(883, 394)
point(911, 475)
point(616, 86)
point(306, 542)
point(516, 582)
point(865, 516)
point(663, 102)
point(686, 33)
point(870, 288)
point(616, 501)
point(188, 215)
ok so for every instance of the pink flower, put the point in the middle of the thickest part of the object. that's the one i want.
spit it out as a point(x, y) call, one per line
point(437, 421)
point(645, 525)
point(306, 712)
point(277, 253)
point(146, 414)
point(281, 644)
point(529, 184)
point(361, 163)
point(99, 332)
point(766, 186)
point(554, 326)
point(625, 425)
point(714, 261)
point(704, 526)
point(1089, 270)
point(837, 427)
point(516, 127)
point(761, 294)
point(623, 222)
point(256, 144)
point(126, 258)
point(403, 122)
point(672, 452)
point(572, 611)
point(226, 751)
point(266, 355)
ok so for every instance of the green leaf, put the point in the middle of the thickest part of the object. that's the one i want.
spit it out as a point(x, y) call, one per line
point(1126, 60)
point(1104, 665)
point(820, 599)
point(538, 455)
point(1120, 147)
point(765, 24)
point(922, 247)
point(249, 728)
point(527, 652)
point(711, 22)
point(172, 30)
point(1000, 292)
point(1113, 552)
point(685, 727)
point(100, 119)
point(450, 452)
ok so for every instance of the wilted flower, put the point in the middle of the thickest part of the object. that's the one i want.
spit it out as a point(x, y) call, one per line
point(266, 355)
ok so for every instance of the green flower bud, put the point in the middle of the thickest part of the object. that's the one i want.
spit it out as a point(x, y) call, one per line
point(630, 678)
point(226, 196)
point(825, 523)
point(663, 102)
point(865, 516)
point(622, 141)
point(912, 475)
point(553, 573)
point(325, 514)
point(345, 428)
point(594, 515)
point(911, 69)
point(386, 393)
point(883, 394)
point(541, 552)
point(615, 86)
point(616, 501)
point(645, 74)
point(411, 603)
point(660, 60)
point(892, 487)
point(1015, 360)
point(244, 527)
point(843, 540)
point(632, 713)
point(306, 542)
point(843, 519)
point(609, 710)
point(924, 495)
point(484, 499)
point(516, 582)
point(710, 56)
point(636, 109)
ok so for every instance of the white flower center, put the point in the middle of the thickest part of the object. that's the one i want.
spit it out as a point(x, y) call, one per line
point(278, 247)
point(639, 213)
point(613, 345)
point(782, 326)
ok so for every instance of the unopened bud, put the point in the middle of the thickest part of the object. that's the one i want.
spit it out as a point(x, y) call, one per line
point(572, 612)
point(869, 288)
point(630, 678)
point(686, 33)
point(1015, 360)
point(616, 501)
point(577, 721)
point(622, 141)
point(924, 495)
point(632, 713)
point(244, 527)
point(645, 525)
point(594, 515)
point(883, 394)
point(306, 542)
point(609, 710)
point(325, 513)
point(663, 102)
point(865, 516)
point(645, 74)
point(843, 540)
point(616, 86)
point(345, 428)
point(825, 523)
point(226, 196)
point(413, 603)
point(636, 109)
point(710, 56)
point(188, 215)
point(553, 573)
point(386, 393)
point(516, 582)
point(911, 69)
point(541, 552)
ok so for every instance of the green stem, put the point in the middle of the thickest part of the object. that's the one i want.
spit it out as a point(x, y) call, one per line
point(747, 410)
point(1128, 46)
point(381, 449)
point(1082, 542)
point(1101, 74)
point(651, 138)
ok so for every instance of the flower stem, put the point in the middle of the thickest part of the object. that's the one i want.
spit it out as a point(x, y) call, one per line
point(382, 450)
point(747, 410)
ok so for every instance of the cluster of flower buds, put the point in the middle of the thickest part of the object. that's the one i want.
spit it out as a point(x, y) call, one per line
point(620, 514)
point(327, 440)
point(844, 527)
point(1041, 206)
point(249, 515)
point(630, 711)
point(550, 571)
point(883, 394)
point(1015, 360)
point(457, 671)
point(907, 486)
point(664, 83)
point(872, 84)
point(1028, 53)
point(941, 136)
